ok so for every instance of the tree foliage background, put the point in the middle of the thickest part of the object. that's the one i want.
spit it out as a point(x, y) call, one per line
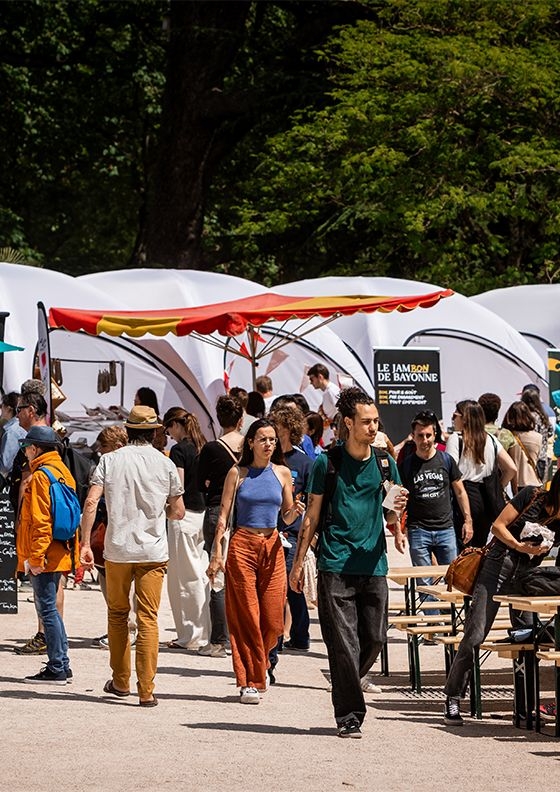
point(277, 140)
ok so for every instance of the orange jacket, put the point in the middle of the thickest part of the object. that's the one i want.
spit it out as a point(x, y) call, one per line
point(34, 540)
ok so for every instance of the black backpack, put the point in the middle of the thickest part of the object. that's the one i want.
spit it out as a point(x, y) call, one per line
point(334, 462)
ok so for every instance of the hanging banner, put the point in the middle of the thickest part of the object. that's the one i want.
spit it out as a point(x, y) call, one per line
point(44, 356)
point(407, 380)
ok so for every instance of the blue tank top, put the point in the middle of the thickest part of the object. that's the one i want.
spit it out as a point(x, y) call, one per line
point(259, 498)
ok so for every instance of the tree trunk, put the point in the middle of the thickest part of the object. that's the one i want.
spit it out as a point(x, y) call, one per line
point(204, 40)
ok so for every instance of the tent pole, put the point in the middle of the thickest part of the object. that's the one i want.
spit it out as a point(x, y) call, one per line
point(253, 349)
point(3, 316)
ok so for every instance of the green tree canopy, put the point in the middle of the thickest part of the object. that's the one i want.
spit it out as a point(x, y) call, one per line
point(436, 157)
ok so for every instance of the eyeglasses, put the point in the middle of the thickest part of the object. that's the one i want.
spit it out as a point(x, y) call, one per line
point(21, 407)
point(456, 415)
point(264, 440)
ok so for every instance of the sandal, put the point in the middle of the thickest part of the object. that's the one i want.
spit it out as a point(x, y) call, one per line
point(108, 687)
point(153, 702)
point(174, 645)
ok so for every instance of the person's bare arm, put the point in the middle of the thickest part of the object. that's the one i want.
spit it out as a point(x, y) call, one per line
point(464, 505)
point(291, 509)
point(507, 467)
point(306, 534)
point(228, 494)
point(175, 507)
point(88, 518)
point(501, 531)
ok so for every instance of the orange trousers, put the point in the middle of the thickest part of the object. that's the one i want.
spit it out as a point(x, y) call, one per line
point(255, 597)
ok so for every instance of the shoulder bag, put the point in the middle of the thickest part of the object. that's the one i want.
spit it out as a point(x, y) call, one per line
point(492, 490)
point(463, 571)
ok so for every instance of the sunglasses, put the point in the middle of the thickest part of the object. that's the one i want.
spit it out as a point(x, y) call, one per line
point(21, 407)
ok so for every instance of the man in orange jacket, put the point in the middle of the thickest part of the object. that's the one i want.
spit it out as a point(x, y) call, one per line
point(39, 554)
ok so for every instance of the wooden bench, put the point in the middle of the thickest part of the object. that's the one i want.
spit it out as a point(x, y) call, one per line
point(417, 618)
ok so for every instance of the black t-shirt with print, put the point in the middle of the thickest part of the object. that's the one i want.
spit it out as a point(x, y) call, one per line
point(429, 484)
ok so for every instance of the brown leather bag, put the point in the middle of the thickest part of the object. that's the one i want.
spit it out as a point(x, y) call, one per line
point(97, 543)
point(463, 571)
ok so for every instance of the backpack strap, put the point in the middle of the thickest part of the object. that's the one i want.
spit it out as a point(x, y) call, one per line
point(334, 462)
point(382, 459)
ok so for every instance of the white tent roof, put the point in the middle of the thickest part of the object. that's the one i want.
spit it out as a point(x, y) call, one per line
point(532, 310)
point(479, 351)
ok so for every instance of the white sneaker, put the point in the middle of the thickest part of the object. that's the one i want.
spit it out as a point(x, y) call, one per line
point(369, 687)
point(249, 695)
point(212, 650)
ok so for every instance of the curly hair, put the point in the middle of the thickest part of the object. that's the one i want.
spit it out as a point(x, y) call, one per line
point(490, 403)
point(112, 437)
point(292, 419)
point(348, 400)
point(229, 411)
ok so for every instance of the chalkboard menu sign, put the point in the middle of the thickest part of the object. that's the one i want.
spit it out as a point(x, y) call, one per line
point(8, 559)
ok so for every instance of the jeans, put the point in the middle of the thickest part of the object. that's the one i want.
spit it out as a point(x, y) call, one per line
point(422, 543)
point(353, 618)
point(148, 583)
point(219, 630)
point(299, 631)
point(45, 587)
point(497, 576)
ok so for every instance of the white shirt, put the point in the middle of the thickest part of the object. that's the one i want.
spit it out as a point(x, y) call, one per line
point(330, 398)
point(137, 481)
point(471, 471)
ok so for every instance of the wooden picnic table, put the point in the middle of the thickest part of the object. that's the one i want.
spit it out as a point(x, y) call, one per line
point(407, 577)
point(546, 611)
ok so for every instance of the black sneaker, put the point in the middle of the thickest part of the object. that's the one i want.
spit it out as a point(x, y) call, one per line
point(69, 676)
point(294, 647)
point(350, 728)
point(46, 677)
point(452, 713)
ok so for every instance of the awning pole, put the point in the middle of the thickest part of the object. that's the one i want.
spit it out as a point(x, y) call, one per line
point(252, 335)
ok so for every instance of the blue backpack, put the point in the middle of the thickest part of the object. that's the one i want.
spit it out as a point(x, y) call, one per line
point(65, 508)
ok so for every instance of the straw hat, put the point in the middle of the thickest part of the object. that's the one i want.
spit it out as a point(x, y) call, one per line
point(141, 417)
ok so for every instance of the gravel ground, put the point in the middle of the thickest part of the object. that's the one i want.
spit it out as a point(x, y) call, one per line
point(201, 738)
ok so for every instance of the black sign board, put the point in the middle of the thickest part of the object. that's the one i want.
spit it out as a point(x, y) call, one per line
point(407, 380)
point(8, 558)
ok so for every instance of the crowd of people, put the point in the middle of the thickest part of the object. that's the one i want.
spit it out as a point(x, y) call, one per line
point(285, 502)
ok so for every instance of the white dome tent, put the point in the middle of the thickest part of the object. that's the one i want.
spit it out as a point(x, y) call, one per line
point(82, 356)
point(532, 310)
point(479, 351)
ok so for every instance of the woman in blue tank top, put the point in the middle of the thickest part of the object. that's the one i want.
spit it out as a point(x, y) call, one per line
point(256, 570)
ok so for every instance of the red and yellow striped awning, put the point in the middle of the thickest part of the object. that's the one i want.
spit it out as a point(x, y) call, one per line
point(233, 317)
